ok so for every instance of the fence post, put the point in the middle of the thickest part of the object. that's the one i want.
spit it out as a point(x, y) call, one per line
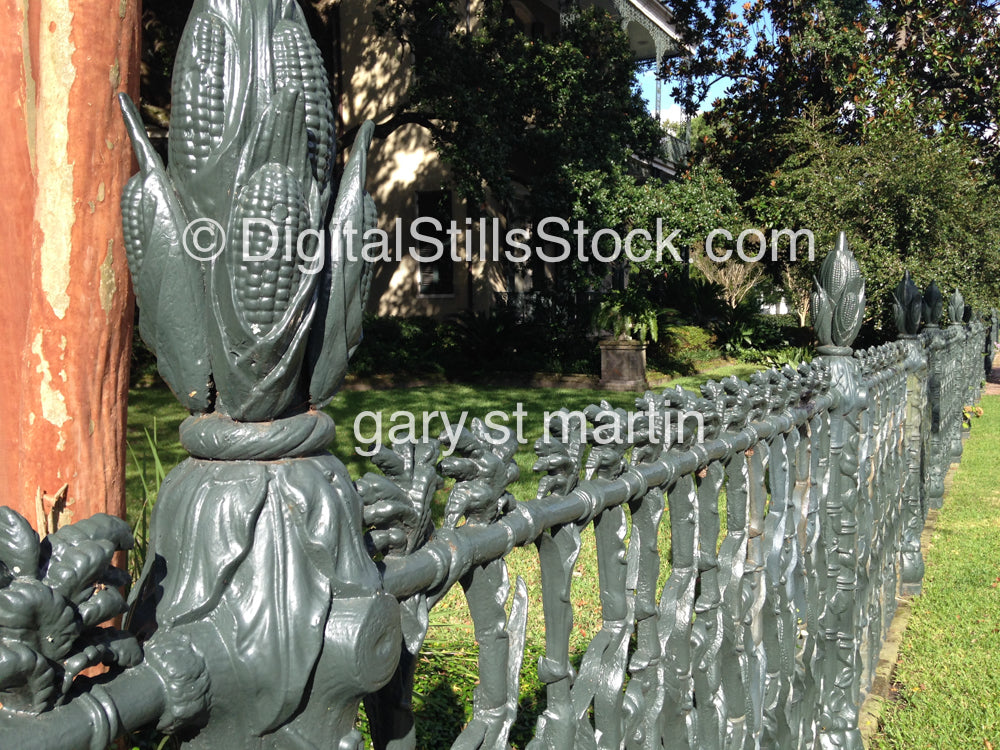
point(908, 307)
point(838, 310)
point(256, 545)
point(980, 349)
point(936, 346)
point(992, 339)
point(959, 372)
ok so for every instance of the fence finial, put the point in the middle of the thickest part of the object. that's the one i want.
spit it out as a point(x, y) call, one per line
point(838, 303)
point(241, 326)
point(933, 305)
point(956, 307)
point(907, 306)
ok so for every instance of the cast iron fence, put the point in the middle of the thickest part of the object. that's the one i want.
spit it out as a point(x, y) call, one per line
point(278, 595)
point(767, 636)
point(766, 633)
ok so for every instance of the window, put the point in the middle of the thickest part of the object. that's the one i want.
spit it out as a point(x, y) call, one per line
point(437, 278)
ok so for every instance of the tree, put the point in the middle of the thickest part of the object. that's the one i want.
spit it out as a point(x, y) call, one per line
point(878, 118)
point(906, 201)
point(855, 60)
point(781, 57)
point(65, 292)
point(940, 59)
point(736, 277)
point(502, 104)
point(799, 289)
point(558, 116)
point(685, 210)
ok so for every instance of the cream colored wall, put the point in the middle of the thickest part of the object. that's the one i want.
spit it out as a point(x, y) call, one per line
point(376, 77)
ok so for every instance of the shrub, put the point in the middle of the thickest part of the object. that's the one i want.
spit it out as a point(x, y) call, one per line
point(471, 344)
point(749, 331)
point(778, 357)
point(680, 347)
point(691, 340)
point(417, 345)
point(772, 331)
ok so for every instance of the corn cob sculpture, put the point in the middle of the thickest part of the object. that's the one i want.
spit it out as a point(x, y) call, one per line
point(249, 294)
point(260, 620)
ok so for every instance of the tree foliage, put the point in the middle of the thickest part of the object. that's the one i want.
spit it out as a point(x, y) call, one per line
point(684, 211)
point(505, 106)
point(941, 60)
point(906, 201)
point(934, 61)
point(877, 118)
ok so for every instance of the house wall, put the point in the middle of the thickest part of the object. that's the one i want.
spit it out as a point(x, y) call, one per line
point(376, 76)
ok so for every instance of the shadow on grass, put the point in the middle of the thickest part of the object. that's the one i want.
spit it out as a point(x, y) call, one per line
point(441, 716)
point(445, 684)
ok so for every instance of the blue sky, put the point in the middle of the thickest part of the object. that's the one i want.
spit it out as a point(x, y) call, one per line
point(671, 110)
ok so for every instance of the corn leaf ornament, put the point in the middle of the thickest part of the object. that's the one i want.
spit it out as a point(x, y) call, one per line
point(956, 307)
point(250, 292)
point(933, 305)
point(907, 306)
point(838, 302)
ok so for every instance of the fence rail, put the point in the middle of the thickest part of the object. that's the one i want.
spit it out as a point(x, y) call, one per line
point(767, 638)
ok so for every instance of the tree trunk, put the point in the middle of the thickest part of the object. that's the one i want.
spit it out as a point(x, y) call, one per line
point(64, 288)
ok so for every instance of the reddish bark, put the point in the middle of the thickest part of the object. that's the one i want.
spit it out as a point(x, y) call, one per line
point(64, 287)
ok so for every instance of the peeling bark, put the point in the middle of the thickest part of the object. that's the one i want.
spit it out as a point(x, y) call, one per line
point(64, 287)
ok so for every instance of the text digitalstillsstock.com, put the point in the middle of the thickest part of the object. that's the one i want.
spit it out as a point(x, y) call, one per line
point(428, 240)
point(660, 427)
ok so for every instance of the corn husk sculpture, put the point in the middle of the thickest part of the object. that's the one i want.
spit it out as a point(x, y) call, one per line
point(933, 305)
point(256, 553)
point(838, 302)
point(838, 305)
point(229, 316)
point(956, 308)
point(907, 306)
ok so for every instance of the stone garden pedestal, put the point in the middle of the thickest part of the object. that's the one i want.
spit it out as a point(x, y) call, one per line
point(623, 365)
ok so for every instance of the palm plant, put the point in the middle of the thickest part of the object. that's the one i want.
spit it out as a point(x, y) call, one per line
point(629, 315)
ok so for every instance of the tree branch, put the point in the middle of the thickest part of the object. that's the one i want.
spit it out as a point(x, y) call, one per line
point(386, 128)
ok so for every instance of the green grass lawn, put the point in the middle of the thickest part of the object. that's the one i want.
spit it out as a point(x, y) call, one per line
point(156, 413)
point(948, 673)
point(715, 370)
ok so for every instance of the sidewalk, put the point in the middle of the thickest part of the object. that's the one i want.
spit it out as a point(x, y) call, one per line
point(993, 379)
point(944, 688)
